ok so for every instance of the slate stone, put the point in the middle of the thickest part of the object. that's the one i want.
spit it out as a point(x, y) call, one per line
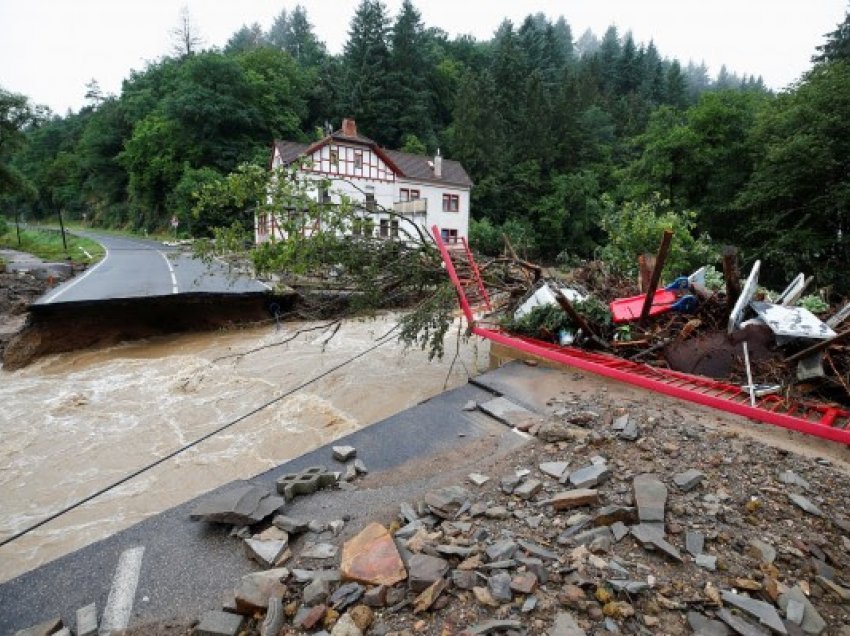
point(629, 587)
point(619, 530)
point(316, 592)
point(765, 612)
point(509, 483)
point(704, 626)
point(537, 550)
point(794, 611)
point(408, 514)
point(497, 512)
point(471, 405)
point(805, 504)
point(464, 579)
point(292, 525)
point(813, 624)
point(689, 479)
point(306, 576)
point(244, 505)
point(218, 623)
point(456, 550)
point(87, 620)
point(594, 534)
point(254, 590)
point(345, 626)
point(265, 552)
point(706, 562)
point(319, 551)
point(501, 550)
point(554, 469)
point(557, 430)
point(565, 625)
point(446, 502)
point(841, 592)
point(510, 413)
point(694, 542)
point(346, 595)
point(424, 569)
point(406, 532)
point(630, 432)
point(350, 473)
point(574, 498)
point(308, 618)
point(528, 489)
point(649, 536)
point(376, 596)
point(529, 604)
point(739, 625)
point(590, 476)
point(762, 551)
point(478, 479)
point(344, 453)
point(619, 423)
point(499, 585)
point(650, 497)
point(504, 564)
point(429, 596)
point(372, 558)
point(360, 467)
point(273, 621)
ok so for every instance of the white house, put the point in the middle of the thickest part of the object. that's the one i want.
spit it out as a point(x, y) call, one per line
point(428, 191)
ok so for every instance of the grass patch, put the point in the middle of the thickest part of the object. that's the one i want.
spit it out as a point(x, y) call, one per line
point(47, 245)
point(154, 236)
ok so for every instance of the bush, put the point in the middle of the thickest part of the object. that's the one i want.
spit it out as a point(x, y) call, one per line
point(485, 237)
point(636, 228)
point(4, 226)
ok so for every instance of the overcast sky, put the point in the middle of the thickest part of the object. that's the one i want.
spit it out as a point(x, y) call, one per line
point(49, 49)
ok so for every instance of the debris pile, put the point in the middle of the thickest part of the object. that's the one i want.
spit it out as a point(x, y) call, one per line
point(610, 522)
point(781, 344)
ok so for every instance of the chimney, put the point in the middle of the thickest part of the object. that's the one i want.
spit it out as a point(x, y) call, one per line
point(438, 164)
point(349, 127)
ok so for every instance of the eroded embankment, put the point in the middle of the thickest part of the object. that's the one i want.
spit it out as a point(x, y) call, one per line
point(62, 327)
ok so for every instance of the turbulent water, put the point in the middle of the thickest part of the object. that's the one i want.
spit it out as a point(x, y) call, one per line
point(74, 423)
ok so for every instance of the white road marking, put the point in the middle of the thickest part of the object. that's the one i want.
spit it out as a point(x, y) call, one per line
point(85, 274)
point(171, 271)
point(119, 604)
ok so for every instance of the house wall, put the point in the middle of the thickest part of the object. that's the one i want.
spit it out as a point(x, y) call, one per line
point(374, 176)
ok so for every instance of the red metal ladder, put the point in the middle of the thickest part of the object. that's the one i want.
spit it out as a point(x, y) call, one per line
point(813, 418)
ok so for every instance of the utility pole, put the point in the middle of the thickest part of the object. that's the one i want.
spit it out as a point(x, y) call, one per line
point(18, 224)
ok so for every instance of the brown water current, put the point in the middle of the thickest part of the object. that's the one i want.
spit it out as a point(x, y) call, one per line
point(74, 423)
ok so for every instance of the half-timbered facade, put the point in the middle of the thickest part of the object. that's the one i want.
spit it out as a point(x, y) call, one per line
point(386, 183)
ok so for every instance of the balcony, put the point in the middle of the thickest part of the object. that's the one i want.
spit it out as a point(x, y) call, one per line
point(417, 207)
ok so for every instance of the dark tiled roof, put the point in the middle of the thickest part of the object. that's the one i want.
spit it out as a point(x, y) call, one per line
point(416, 167)
point(419, 167)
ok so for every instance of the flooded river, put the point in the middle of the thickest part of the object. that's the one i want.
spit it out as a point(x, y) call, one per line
point(74, 423)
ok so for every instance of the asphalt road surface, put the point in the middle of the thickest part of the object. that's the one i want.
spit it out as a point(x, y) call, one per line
point(139, 268)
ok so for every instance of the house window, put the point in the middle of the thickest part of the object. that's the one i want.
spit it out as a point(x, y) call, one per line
point(334, 157)
point(448, 235)
point(370, 198)
point(324, 195)
point(388, 228)
point(358, 159)
point(451, 203)
point(404, 194)
point(414, 195)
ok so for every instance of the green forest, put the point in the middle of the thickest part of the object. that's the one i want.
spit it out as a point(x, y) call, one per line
point(579, 145)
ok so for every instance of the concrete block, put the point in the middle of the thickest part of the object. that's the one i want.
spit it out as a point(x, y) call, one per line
point(87, 620)
point(305, 482)
point(218, 623)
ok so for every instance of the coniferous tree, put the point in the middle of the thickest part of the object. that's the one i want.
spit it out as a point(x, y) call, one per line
point(837, 45)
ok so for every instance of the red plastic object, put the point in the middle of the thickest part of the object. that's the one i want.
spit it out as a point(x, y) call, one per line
point(628, 309)
point(821, 420)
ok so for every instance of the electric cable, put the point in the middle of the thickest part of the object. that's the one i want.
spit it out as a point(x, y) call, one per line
point(192, 444)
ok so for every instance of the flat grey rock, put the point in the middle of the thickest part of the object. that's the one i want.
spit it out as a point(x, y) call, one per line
point(265, 552)
point(489, 627)
point(292, 525)
point(706, 562)
point(478, 479)
point(590, 476)
point(217, 623)
point(527, 489)
point(630, 587)
point(805, 504)
point(630, 432)
point(694, 542)
point(471, 405)
point(344, 453)
point(244, 505)
point(499, 585)
point(87, 620)
point(763, 551)
point(649, 536)
point(739, 625)
point(537, 550)
point(620, 422)
point(689, 479)
point(812, 624)
point(650, 497)
point(423, 570)
point(794, 611)
point(619, 530)
point(554, 469)
point(346, 595)
point(446, 502)
point(510, 413)
point(501, 550)
point(705, 626)
point(766, 613)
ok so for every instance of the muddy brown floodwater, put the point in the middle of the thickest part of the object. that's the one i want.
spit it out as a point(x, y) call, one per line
point(73, 423)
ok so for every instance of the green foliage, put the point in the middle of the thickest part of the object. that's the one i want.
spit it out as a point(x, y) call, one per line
point(48, 245)
point(546, 321)
point(4, 226)
point(814, 304)
point(488, 238)
point(636, 228)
